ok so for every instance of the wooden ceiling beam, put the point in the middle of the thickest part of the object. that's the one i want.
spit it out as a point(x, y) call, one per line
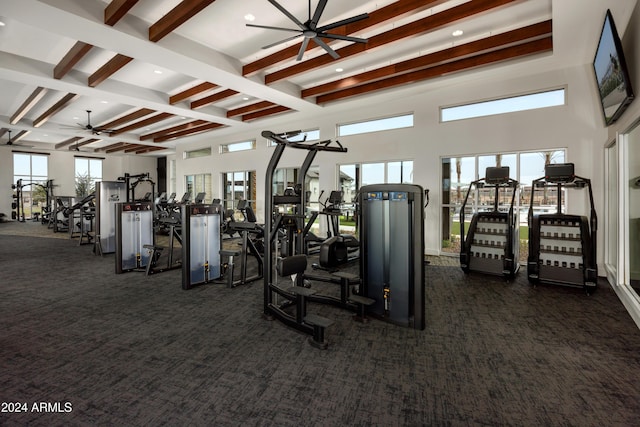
point(20, 135)
point(68, 98)
point(130, 148)
point(173, 129)
point(395, 10)
point(75, 54)
point(83, 143)
point(149, 150)
point(142, 123)
point(108, 69)
point(524, 49)
point(199, 129)
point(176, 17)
point(112, 146)
point(446, 55)
point(67, 142)
point(419, 27)
point(250, 108)
point(218, 96)
point(189, 93)
point(116, 10)
point(127, 118)
point(264, 113)
point(28, 104)
point(118, 148)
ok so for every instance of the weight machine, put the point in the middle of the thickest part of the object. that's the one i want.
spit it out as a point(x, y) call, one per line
point(278, 300)
point(201, 244)
point(108, 195)
point(492, 245)
point(134, 236)
point(562, 247)
point(392, 252)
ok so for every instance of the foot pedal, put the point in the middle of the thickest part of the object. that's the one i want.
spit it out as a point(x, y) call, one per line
point(318, 323)
point(361, 302)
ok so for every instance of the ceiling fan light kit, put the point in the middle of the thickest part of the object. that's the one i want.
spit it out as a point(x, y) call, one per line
point(310, 30)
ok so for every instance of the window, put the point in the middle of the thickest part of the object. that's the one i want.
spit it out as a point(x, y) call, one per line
point(511, 104)
point(376, 125)
point(352, 177)
point(239, 185)
point(172, 177)
point(200, 152)
point(88, 172)
point(238, 146)
point(459, 172)
point(31, 169)
point(200, 183)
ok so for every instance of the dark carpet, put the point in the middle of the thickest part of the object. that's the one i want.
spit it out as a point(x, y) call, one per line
point(104, 349)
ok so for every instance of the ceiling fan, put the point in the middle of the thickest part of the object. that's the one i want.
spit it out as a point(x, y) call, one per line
point(310, 30)
point(9, 141)
point(95, 130)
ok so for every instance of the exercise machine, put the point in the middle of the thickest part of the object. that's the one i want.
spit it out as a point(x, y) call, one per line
point(562, 247)
point(134, 236)
point(492, 244)
point(288, 302)
point(392, 252)
point(201, 244)
point(108, 195)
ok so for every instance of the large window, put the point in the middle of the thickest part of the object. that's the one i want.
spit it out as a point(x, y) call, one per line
point(353, 176)
point(238, 146)
point(459, 172)
point(376, 125)
point(32, 169)
point(200, 183)
point(511, 104)
point(240, 185)
point(88, 172)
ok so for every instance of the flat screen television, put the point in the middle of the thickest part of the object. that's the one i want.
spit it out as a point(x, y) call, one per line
point(612, 74)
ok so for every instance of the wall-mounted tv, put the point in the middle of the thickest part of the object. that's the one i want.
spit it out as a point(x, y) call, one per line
point(612, 74)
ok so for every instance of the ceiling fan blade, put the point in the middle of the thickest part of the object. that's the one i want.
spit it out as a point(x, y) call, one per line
point(273, 28)
point(342, 22)
point(326, 47)
point(340, 37)
point(303, 48)
point(281, 41)
point(289, 15)
point(318, 13)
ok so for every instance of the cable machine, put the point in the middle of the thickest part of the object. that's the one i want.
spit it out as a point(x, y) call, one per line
point(134, 234)
point(392, 252)
point(289, 305)
point(562, 247)
point(492, 245)
point(201, 243)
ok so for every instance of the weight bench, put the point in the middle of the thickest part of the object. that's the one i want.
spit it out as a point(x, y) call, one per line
point(297, 264)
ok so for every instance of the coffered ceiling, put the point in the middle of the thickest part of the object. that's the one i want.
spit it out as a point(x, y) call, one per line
point(159, 73)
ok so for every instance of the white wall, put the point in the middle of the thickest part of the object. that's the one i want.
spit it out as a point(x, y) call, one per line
point(578, 127)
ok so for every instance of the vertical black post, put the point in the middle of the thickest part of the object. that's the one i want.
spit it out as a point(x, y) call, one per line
point(268, 221)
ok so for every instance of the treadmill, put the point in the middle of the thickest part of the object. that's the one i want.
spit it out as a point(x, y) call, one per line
point(562, 247)
point(492, 245)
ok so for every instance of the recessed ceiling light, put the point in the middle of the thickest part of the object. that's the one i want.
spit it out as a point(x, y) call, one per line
point(249, 17)
point(245, 98)
point(339, 70)
point(157, 71)
point(104, 102)
point(76, 118)
point(457, 33)
point(2, 23)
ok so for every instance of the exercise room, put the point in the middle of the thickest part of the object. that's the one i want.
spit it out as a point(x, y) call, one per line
point(319, 213)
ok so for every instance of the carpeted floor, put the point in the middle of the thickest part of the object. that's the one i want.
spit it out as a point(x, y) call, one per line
point(104, 349)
